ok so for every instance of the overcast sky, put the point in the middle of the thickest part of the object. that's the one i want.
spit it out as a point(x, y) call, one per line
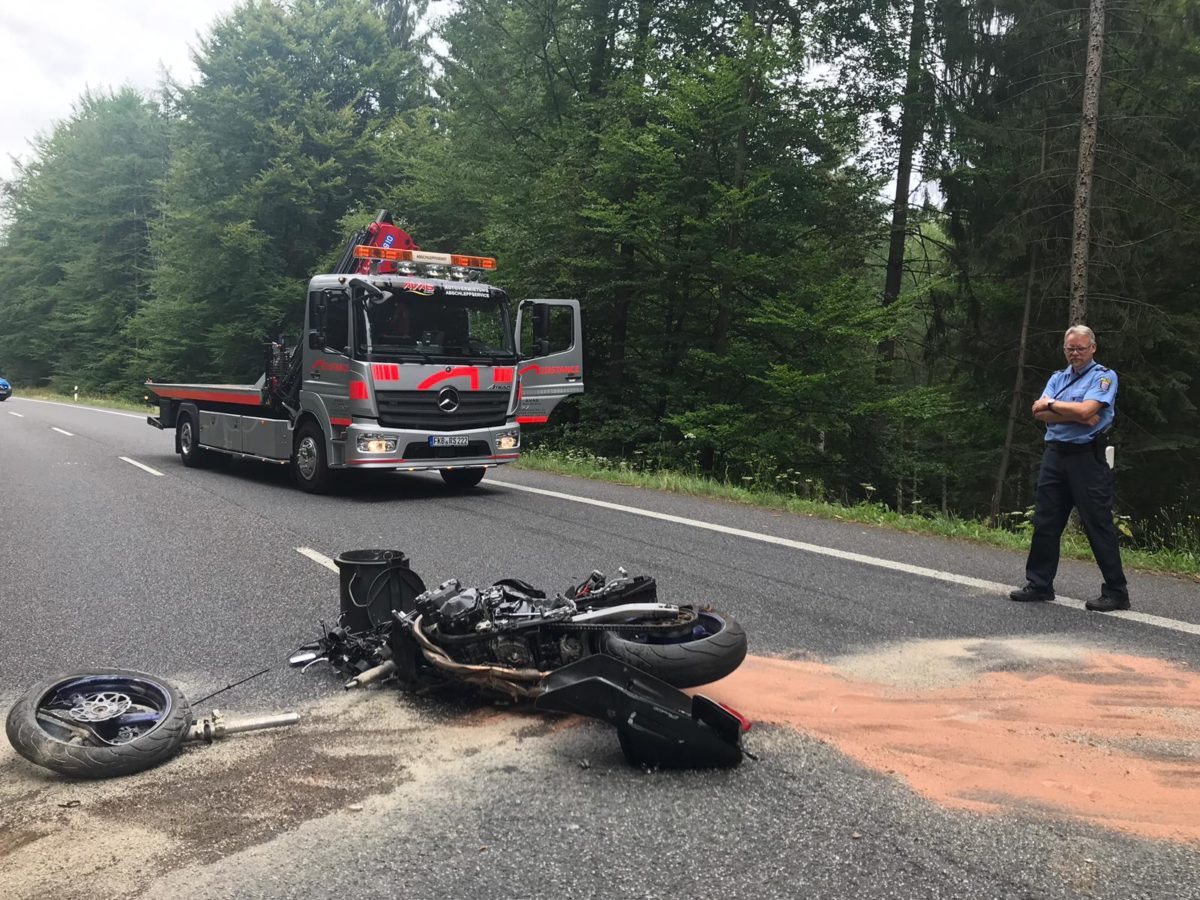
point(53, 50)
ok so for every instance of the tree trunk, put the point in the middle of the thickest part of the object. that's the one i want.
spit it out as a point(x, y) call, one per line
point(598, 12)
point(1017, 391)
point(912, 124)
point(623, 300)
point(725, 296)
point(1081, 233)
point(1019, 383)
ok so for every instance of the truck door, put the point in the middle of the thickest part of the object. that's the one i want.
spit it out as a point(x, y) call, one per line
point(327, 355)
point(550, 342)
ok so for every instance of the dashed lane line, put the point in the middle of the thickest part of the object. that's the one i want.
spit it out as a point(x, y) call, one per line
point(17, 414)
point(60, 431)
point(317, 557)
point(891, 565)
point(142, 466)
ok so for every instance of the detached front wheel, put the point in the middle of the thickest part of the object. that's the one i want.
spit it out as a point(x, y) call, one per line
point(100, 723)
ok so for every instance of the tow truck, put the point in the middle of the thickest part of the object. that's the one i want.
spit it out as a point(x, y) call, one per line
point(410, 361)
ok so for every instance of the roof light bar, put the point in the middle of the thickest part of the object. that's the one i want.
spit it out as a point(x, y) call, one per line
point(362, 251)
point(472, 262)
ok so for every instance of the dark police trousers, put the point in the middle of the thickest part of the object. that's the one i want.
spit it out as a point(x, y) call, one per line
point(1074, 475)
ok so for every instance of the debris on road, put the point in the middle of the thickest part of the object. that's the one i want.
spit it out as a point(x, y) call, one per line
point(103, 723)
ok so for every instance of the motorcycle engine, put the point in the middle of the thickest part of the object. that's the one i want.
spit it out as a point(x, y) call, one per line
point(570, 648)
point(497, 624)
point(513, 652)
point(451, 609)
point(461, 613)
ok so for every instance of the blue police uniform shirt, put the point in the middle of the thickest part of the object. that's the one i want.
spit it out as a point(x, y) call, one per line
point(1097, 383)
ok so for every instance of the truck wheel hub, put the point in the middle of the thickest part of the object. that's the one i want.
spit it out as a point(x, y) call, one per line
point(306, 458)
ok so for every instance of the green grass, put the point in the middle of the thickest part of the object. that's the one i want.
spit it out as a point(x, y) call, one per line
point(87, 400)
point(1074, 545)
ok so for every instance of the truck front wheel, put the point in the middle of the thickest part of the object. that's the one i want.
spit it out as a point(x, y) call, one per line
point(461, 479)
point(309, 463)
point(190, 451)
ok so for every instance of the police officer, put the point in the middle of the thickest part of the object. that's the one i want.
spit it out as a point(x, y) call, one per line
point(1078, 407)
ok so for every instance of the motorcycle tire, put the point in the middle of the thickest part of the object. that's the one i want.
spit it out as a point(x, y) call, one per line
point(711, 651)
point(100, 723)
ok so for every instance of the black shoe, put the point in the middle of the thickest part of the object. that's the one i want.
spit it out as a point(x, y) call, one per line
point(1107, 603)
point(1030, 594)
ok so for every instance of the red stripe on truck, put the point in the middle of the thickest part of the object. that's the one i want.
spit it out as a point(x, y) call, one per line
point(469, 371)
point(244, 398)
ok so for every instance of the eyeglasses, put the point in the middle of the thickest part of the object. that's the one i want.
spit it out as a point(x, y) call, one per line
point(1077, 349)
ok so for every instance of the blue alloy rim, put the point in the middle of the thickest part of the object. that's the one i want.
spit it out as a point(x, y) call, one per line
point(103, 710)
point(707, 624)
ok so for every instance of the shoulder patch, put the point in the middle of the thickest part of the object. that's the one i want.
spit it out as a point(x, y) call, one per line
point(1105, 384)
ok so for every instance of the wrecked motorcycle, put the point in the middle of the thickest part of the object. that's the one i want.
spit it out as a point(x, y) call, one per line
point(510, 635)
point(605, 648)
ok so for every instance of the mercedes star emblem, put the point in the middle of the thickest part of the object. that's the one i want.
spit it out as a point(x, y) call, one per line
point(447, 400)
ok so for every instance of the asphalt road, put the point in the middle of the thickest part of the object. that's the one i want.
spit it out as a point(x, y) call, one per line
point(918, 735)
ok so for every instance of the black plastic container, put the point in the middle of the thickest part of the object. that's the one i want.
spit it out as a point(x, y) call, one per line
point(373, 583)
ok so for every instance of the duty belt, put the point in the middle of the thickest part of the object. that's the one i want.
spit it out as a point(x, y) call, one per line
point(1071, 447)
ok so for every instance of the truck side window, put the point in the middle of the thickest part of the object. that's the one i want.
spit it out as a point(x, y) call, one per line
point(554, 324)
point(337, 323)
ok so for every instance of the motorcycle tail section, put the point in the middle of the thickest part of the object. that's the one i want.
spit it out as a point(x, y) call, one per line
point(658, 725)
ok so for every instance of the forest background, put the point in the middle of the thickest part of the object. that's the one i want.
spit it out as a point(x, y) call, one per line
point(725, 185)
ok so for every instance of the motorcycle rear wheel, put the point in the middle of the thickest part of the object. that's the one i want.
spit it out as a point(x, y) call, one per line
point(100, 723)
point(713, 649)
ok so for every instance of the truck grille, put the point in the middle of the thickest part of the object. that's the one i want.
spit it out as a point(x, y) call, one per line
point(419, 410)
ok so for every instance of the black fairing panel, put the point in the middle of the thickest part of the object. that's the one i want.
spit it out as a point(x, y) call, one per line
point(658, 725)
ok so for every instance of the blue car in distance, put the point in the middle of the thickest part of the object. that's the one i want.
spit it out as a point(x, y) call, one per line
point(5, 389)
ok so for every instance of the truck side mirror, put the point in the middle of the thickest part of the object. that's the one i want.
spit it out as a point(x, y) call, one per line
point(539, 331)
point(316, 340)
point(541, 326)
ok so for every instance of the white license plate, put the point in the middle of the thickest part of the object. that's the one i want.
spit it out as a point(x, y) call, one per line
point(449, 440)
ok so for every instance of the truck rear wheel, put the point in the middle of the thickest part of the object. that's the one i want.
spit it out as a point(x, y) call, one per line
point(461, 479)
point(309, 463)
point(188, 434)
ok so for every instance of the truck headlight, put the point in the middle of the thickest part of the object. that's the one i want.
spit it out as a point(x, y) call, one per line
point(510, 440)
point(376, 443)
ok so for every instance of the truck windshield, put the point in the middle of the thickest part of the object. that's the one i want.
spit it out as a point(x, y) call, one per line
point(423, 326)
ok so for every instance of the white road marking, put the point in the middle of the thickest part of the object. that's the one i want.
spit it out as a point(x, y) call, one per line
point(18, 415)
point(111, 412)
point(317, 557)
point(142, 466)
point(60, 431)
point(891, 565)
